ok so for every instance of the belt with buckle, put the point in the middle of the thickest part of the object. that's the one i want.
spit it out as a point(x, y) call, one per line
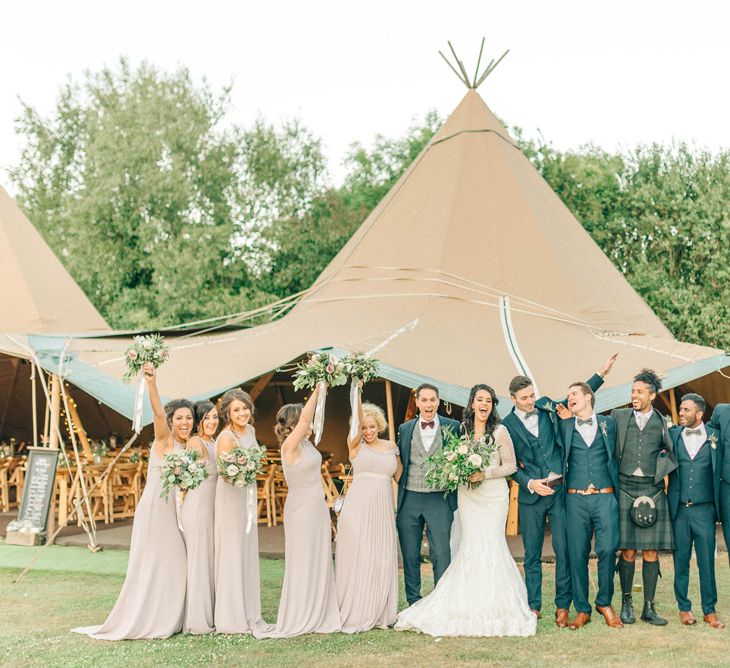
point(552, 484)
point(591, 490)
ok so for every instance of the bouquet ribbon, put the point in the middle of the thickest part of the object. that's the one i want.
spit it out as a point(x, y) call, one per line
point(250, 506)
point(318, 422)
point(354, 423)
point(179, 498)
point(138, 399)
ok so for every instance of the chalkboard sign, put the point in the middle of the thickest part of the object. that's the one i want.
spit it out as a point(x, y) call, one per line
point(40, 476)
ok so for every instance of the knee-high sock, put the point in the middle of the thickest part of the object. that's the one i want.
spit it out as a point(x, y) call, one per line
point(650, 575)
point(626, 574)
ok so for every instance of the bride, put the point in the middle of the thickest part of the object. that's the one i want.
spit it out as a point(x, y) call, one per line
point(482, 592)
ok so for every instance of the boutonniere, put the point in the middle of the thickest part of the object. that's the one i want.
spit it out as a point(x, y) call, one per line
point(668, 421)
point(713, 440)
point(549, 406)
point(604, 428)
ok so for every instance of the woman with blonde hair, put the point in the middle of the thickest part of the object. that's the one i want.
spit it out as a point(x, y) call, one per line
point(308, 599)
point(196, 518)
point(237, 586)
point(366, 558)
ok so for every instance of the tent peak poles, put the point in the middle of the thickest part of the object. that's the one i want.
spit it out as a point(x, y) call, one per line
point(478, 79)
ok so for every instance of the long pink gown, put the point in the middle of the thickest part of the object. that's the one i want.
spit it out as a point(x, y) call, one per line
point(151, 603)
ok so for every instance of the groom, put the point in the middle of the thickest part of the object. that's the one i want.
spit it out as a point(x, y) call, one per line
point(419, 505)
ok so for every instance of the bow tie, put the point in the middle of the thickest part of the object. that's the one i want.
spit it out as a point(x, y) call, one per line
point(531, 413)
point(580, 421)
point(697, 431)
point(428, 425)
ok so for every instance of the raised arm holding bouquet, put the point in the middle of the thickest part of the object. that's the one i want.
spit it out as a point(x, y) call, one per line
point(361, 368)
point(144, 350)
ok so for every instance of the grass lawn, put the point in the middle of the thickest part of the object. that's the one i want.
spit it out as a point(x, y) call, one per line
point(70, 586)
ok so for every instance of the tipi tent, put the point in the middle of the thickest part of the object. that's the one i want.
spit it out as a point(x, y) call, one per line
point(470, 270)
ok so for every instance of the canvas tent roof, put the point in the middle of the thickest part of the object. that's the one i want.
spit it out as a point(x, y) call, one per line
point(470, 270)
point(38, 294)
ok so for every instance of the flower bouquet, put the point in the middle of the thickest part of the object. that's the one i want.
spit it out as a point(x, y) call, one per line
point(461, 457)
point(151, 348)
point(184, 469)
point(361, 366)
point(240, 466)
point(319, 368)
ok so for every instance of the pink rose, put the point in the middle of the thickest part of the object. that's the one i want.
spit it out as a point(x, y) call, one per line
point(330, 368)
point(132, 354)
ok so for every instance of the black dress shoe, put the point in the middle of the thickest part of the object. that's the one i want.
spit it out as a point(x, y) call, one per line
point(627, 609)
point(649, 615)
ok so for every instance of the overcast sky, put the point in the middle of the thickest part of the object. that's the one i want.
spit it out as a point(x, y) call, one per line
point(613, 73)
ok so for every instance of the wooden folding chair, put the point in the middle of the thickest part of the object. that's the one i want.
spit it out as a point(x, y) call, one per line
point(264, 496)
point(125, 489)
point(278, 492)
point(4, 485)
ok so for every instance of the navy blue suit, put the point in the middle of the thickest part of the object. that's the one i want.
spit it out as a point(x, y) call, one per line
point(589, 514)
point(536, 457)
point(694, 517)
point(721, 420)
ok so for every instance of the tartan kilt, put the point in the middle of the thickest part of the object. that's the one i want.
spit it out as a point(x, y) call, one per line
point(660, 535)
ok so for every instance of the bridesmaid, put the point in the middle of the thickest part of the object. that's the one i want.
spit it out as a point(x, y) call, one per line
point(237, 586)
point(366, 557)
point(308, 598)
point(197, 524)
point(152, 601)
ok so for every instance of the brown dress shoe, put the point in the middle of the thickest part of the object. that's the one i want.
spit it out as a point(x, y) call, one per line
point(687, 618)
point(536, 613)
point(714, 621)
point(580, 620)
point(561, 617)
point(609, 614)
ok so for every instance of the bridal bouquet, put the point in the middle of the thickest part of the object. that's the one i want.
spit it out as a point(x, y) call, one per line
point(184, 469)
point(240, 466)
point(460, 458)
point(361, 366)
point(319, 368)
point(151, 348)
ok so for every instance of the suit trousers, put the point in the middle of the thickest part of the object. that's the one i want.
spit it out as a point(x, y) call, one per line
point(419, 509)
point(725, 512)
point(533, 517)
point(586, 515)
point(695, 525)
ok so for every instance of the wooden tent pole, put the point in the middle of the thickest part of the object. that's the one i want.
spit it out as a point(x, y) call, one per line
point(74, 421)
point(55, 410)
point(389, 406)
point(673, 404)
point(260, 386)
point(35, 404)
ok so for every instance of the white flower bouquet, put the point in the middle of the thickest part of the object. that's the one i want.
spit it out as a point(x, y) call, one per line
point(151, 348)
point(184, 469)
point(240, 466)
point(319, 368)
point(461, 457)
point(361, 366)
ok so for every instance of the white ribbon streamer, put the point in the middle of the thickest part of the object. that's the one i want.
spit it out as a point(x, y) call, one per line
point(138, 400)
point(250, 506)
point(318, 422)
point(355, 420)
point(179, 498)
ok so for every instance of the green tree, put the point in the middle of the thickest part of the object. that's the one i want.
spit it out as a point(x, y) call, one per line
point(159, 210)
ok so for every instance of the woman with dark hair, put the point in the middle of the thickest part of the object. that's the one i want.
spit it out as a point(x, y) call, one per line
point(482, 592)
point(196, 518)
point(308, 599)
point(237, 586)
point(152, 601)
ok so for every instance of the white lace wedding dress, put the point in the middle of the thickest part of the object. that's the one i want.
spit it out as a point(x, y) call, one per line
point(482, 592)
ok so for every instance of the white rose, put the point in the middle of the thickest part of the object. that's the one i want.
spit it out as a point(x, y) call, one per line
point(239, 483)
point(462, 449)
point(231, 470)
point(147, 345)
point(251, 466)
point(192, 467)
point(476, 460)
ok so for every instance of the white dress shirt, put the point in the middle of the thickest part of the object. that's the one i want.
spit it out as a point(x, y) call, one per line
point(531, 423)
point(693, 442)
point(588, 431)
point(642, 419)
point(428, 435)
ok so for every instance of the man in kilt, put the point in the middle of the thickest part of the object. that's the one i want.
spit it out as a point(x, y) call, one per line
point(645, 455)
